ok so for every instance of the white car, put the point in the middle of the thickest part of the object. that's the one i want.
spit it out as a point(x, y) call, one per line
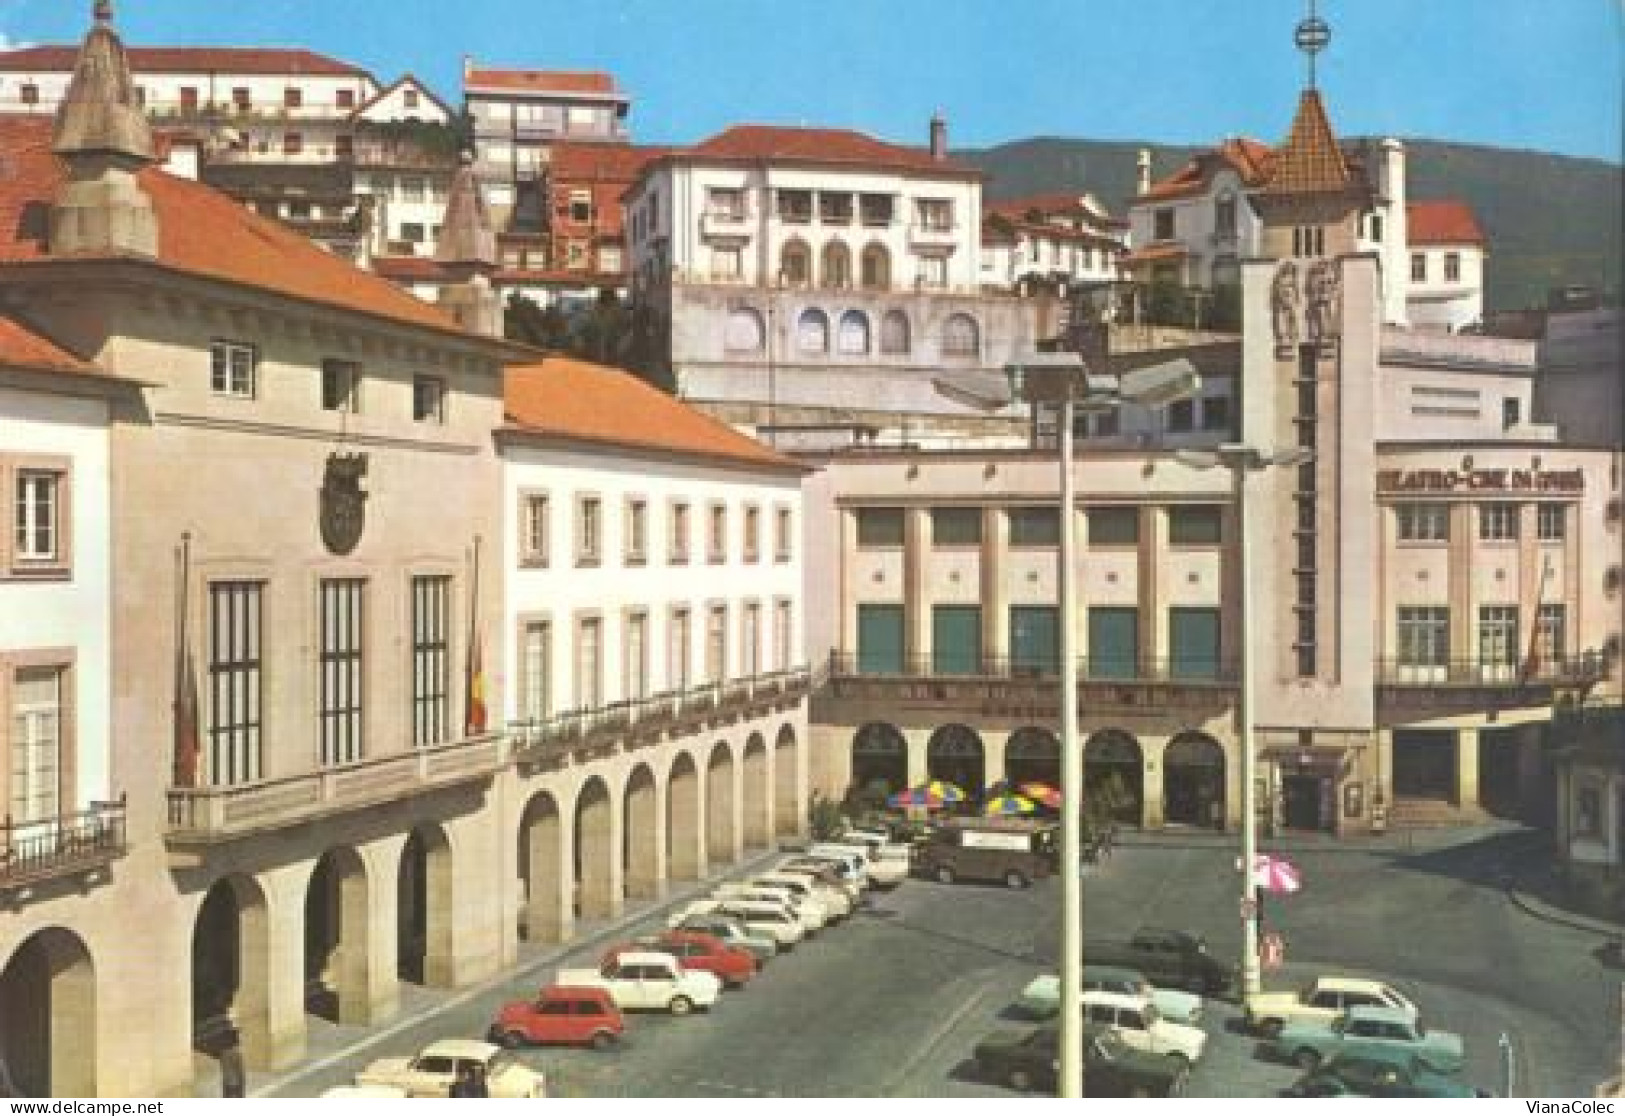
point(1322, 1000)
point(890, 862)
point(769, 919)
point(1042, 996)
point(822, 868)
point(835, 901)
point(856, 857)
point(814, 915)
point(648, 981)
point(1139, 1024)
point(434, 1069)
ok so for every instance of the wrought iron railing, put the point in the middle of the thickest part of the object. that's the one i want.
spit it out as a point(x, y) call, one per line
point(1538, 670)
point(1123, 670)
point(70, 844)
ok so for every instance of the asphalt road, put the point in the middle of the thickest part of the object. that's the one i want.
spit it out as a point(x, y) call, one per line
point(892, 1002)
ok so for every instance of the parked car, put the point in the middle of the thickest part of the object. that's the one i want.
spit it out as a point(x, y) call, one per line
point(812, 916)
point(771, 919)
point(1308, 1042)
point(834, 899)
point(855, 857)
point(1042, 996)
point(1378, 1072)
point(1136, 1020)
point(890, 862)
point(1321, 1000)
point(1028, 1060)
point(561, 1014)
point(650, 982)
point(733, 932)
point(830, 870)
point(431, 1072)
point(734, 967)
point(1168, 958)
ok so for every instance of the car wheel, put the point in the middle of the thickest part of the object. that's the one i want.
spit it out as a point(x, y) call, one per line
point(1306, 1059)
point(1182, 1079)
point(1020, 1080)
point(513, 1040)
point(1270, 1028)
point(680, 1005)
point(1014, 880)
point(602, 1040)
point(945, 874)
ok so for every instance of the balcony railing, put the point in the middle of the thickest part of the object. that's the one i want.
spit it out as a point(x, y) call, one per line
point(205, 815)
point(1181, 670)
point(1583, 669)
point(932, 235)
point(33, 852)
point(582, 734)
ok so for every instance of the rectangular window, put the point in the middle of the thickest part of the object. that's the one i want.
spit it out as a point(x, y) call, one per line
point(38, 520)
point(727, 263)
point(956, 639)
point(410, 98)
point(679, 673)
point(637, 532)
point(589, 530)
point(782, 636)
point(536, 667)
point(794, 206)
point(933, 272)
point(293, 97)
point(189, 98)
point(233, 369)
point(637, 656)
point(875, 209)
point(1035, 640)
point(340, 663)
point(1588, 812)
point(428, 399)
point(1162, 224)
point(344, 99)
point(1497, 635)
point(581, 206)
point(241, 98)
point(341, 386)
point(1193, 643)
point(1194, 525)
point(956, 526)
point(30, 93)
point(935, 214)
point(589, 662)
point(753, 534)
point(782, 524)
point(1424, 636)
point(1511, 412)
point(1551, 522)
point(726, 203)
point(1114, 527)
point(1423, 522)
point(716, 535)
point(750, 640)
point(880, 528)
point(716, 642)
point(1180, 417)
point(1497, 522)
point(534, 528)
point(1419, 267)
point(677, 544)
point(1551, 636)
point(1114, 643)
point(1035, 527)
point(37, 744)
point(880, 639)
point(431, 658)
point(1452, 267)
point(834, 208)
point(235, 681)
point(292, 143)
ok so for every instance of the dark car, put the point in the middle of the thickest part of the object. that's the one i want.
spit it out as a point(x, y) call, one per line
point(1168, 958)
point(1378, 1072)
point(1027, 1060)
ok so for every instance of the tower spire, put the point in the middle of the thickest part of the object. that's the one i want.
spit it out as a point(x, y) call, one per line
point(1312, 35)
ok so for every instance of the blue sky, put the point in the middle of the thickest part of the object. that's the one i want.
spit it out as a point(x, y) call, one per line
point(1542, 74)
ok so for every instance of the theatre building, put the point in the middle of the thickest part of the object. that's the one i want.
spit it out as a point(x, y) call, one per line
point(1431, 583)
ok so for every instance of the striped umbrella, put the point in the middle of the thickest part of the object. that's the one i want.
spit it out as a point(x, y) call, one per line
point(918, 796)
point(1006, 804)
point(1043, 794)
point(947, 790)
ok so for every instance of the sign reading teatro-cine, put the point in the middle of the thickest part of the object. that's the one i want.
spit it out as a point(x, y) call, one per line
point(1469, 479)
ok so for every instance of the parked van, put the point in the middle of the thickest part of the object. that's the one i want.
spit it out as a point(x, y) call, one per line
point(1016, 851)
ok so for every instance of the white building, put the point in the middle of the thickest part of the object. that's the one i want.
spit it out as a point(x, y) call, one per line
point(1445, 290)
point(1055, 241)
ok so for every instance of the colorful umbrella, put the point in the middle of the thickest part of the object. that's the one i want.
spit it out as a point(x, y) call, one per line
point(917, 796)
point(1043, 794)
point(1272, 873)
point(1008, 804)
point(948, 791)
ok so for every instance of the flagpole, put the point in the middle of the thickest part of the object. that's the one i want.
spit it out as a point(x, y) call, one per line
point(185, 759)
point(473, 634)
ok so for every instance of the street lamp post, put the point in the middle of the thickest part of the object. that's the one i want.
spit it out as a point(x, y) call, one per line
point(1064, 380)
point(1242, 460)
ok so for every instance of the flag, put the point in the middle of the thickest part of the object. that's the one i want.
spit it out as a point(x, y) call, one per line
point(188, 746)
point(475, 717)
point(1531, 661)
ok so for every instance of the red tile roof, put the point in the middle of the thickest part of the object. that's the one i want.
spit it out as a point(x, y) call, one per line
point(567, 398)
point(200, 231)
point(1151, 253)
point(188, 60)
point(1442, 222)
point(840, 147)
point(1310, 162)
point(1247, 157)
point(422, 269)
point(1058, 205)
point(21, 347)
point(542, 81)
point(606, 169)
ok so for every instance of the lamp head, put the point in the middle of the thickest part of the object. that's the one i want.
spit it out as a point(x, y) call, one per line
point(1160, 384)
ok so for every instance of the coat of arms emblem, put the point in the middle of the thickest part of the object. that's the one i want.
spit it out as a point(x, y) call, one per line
point(343, 502)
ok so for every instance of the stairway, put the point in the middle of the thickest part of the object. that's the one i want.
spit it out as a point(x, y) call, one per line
point(1432, 813)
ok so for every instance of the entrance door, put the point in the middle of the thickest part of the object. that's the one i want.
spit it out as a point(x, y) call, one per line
point(1114, 642)
point(880, 639)
point(1193, 641)
point(1035, 644)
point(956, 639)
point(1425, 764)
point(1302, 797)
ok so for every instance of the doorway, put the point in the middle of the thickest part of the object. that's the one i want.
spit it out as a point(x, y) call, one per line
point(1303, 802)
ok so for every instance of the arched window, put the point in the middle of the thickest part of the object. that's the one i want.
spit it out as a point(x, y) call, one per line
point(744, 332)
point(960, 336)
point(836, 269)
point(894, 333)
point(853, 338)
point(795, 264)
point(812, 331)
point(876, 268)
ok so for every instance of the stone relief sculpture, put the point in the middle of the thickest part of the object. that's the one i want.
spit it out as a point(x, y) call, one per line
point(1324, 288)
point(1284, 307)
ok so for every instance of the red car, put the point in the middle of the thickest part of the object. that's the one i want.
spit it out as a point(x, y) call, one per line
point(560, 1014)
point(704, 952)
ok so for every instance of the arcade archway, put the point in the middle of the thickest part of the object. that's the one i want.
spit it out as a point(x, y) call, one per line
point(423, 911)
point(594, 851)
point(1114, 775)
point(1193, 781)
point(48, 1027)
point(954, 755)
point(879, 756)
point(540, 834)
point(640, 852)
point(337, 960)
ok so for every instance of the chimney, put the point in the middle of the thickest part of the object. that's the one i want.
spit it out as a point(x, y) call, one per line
point(939, 137)
point(467, 250)
point(1142, 179)
point(103, 140)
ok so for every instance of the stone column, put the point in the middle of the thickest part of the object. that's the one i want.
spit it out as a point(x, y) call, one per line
point(371, 990)
point(284, 968)
point(1463, 593)
point(916, 593)
point(1467, 768)
point(995, 589)
point(918, 766)
point(1152, 751)
point(1153, 556)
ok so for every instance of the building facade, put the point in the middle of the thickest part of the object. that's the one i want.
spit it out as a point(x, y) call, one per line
point(1054, 241)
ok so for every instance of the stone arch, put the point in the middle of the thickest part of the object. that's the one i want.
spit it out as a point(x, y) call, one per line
point(338, 962)
point(795, 263)
point(594, 849)
point(879, 755)
point(640, 833)
point(1114, 774)
point(231, 974)
point(954, 754)
point(48, 1028)
point(424, 906)
point(894, 334)
point(812, 331)
point(876, 268)
point(685, 847)
point(720, 808)
point(835, 266)
point(1032, 755)
point(541, 835)
point(757, 794)
point(961, 336)
point(1193, 780)
point(744, 331)
point(787, 810)
point(852, 338)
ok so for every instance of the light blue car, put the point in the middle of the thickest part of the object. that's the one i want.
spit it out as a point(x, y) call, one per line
point(1363, 1028)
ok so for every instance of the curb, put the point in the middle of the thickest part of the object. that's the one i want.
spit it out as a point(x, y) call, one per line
point(1539, 908)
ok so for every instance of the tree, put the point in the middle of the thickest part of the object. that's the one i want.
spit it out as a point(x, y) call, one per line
point(527, 322)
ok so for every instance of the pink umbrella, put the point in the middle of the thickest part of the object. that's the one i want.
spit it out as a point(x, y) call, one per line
point(1043, 794)
point(1273, 873)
